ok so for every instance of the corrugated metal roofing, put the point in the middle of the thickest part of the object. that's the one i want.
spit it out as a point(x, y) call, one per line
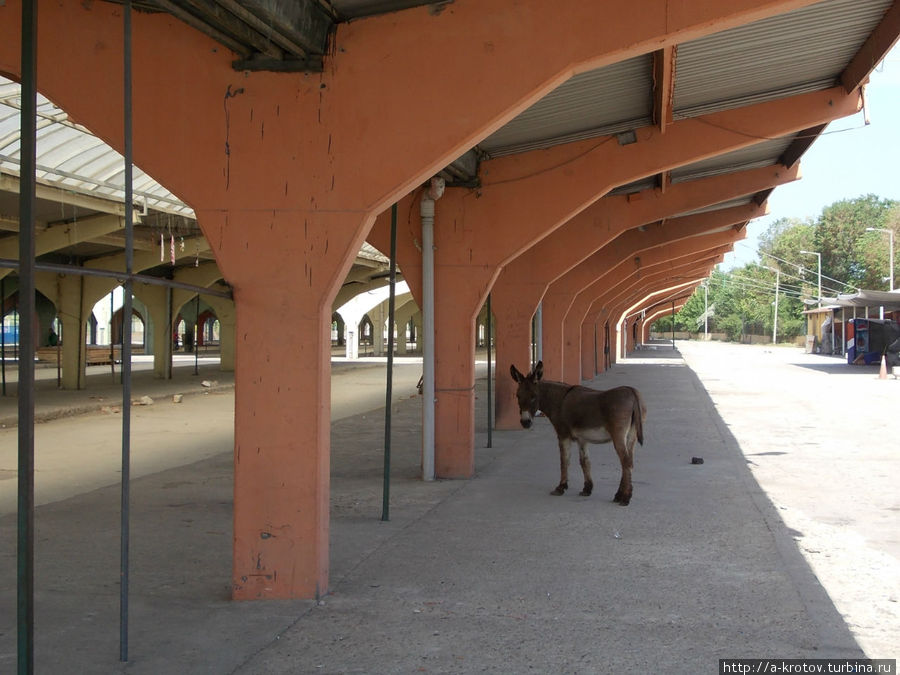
point(765, 153)
point(599, 102)
point(71, 158)
point(797, 52)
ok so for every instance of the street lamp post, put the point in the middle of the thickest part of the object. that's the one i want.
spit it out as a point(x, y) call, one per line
point(706, 311)
point(819, 258)
point(775, 320)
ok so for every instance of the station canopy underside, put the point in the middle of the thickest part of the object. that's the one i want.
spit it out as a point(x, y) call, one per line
point(806, 50)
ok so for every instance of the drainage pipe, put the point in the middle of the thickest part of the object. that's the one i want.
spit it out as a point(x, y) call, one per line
point(426, 210)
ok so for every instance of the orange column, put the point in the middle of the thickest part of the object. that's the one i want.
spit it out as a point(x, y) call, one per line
point(587, 281)
point(289, 170)
point(625, 300)
point(624, 277)
point(523, 282)
point(476, 233)
point(631, 290)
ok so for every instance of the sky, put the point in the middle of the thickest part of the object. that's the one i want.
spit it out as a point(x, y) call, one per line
point(850, 160)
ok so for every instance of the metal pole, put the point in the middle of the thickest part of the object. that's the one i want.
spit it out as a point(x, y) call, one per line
point(126, 338)
point(197, 336)
point(706, 311)
point(775, 322)
point(539, 333)
point(534, 340)
point(843, 331)
point(673, 324)
point(490, 409)
point(170, 348)
point(3, 333)
point(891, 275)
point(112, 345)
point(25, 529)
point(389, 385)
point(428, 308)
point(819, 291)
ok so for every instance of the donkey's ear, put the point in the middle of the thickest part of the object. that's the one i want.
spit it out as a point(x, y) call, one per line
point(539, 370)
point(516, 375)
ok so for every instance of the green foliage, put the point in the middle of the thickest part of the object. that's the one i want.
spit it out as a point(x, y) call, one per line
point(744, 298)
point(849, 253)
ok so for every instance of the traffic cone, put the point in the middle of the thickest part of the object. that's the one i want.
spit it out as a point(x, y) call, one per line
point(882, 374)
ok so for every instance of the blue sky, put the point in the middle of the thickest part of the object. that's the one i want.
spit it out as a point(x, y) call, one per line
point(854, 161)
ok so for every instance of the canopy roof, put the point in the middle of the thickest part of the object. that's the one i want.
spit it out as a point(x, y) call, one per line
point(890, 300)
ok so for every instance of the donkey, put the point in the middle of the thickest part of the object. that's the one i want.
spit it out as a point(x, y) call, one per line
point(585, 416)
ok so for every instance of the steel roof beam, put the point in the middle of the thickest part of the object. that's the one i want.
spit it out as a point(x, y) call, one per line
point(663, 85)
point(874, 49)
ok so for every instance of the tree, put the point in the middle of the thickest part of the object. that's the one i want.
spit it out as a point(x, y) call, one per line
point(845, 246)
point(784, 240)
point(873, 252)
point(851, 257)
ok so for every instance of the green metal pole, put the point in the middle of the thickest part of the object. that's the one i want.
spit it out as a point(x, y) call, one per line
point(490, 399)
point(25, 523)
point(386, 489)
point(127, 304)
point(673, 324)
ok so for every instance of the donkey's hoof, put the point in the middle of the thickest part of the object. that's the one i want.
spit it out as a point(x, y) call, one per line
point(560, 489)
point(622, 499)
point(588, 488)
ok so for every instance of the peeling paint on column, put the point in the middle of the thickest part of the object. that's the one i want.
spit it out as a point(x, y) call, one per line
point(228, 94)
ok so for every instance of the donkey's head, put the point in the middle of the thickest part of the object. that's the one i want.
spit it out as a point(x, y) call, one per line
point(527, 392)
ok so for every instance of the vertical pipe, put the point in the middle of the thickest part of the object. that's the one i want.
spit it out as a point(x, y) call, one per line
point(843, 331)
point(775, 321)
point(490, 400)
point(126, 338)
point(832, 332)
point(706, 310)
point(3, 333)
point(534, 340)
point(389, 388)
point(673, 324)
point(58, 363)
point(25, 523)
point(82, 342)
point(197, 336)
point(427, 209)
point(112, 344)
point(539, 332)
point(171, 347)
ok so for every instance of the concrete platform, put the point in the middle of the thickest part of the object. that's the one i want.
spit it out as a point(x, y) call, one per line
point(491, 574)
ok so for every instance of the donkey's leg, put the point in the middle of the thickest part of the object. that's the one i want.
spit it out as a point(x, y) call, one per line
point(563, 467)
point(585, 460)
point(620, 441)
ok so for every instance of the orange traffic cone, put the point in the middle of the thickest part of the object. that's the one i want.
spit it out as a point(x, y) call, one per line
point(882, 374)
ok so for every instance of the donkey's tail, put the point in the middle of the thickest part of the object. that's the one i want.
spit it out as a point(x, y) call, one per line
point(638, 411)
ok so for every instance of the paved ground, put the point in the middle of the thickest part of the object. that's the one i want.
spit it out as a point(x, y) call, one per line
point(823, 440)
point(487, 575)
